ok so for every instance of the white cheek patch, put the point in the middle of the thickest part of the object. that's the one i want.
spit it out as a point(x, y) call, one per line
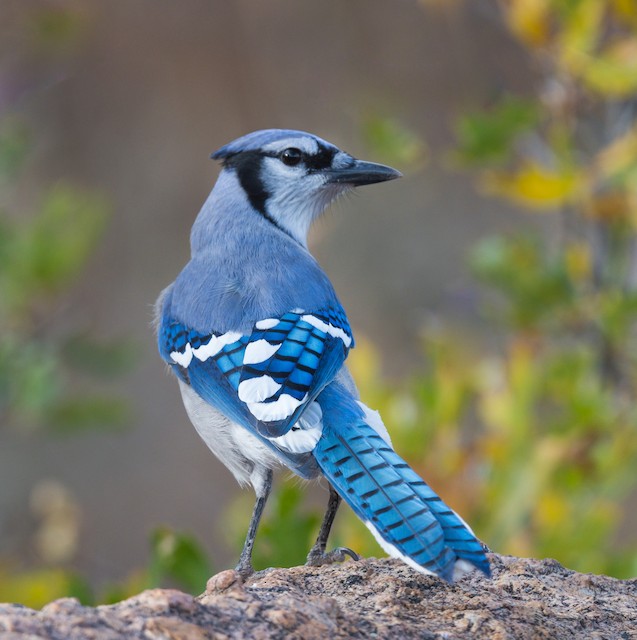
point(295, 199)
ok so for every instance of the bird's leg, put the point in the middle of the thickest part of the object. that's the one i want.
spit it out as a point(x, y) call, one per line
point(245, 567)
point(317, 555)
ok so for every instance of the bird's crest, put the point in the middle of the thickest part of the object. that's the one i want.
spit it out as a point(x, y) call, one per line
point(260, 139)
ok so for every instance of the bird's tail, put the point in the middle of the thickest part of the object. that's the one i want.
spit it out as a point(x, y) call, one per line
point(406, 517)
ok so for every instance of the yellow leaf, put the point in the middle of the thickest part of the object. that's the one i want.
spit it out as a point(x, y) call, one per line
point(580, 32)
point(625, 10)
point(522, 364)
point(534, 186)
point(614, 71)
point(364, 363)
point(529, 20)
point(33, 588)
point(578, 261)
point(520, 544)
point(494, 401)
point(551, 511)
point(619, 156)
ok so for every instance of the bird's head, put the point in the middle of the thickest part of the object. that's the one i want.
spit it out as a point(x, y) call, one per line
point(290, 177)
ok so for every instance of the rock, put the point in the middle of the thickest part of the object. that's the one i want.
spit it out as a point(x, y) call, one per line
point(223, 581)
point(365, 599)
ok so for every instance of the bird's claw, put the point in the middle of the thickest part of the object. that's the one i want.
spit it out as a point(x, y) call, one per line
point(245, 570)
point(318, 558)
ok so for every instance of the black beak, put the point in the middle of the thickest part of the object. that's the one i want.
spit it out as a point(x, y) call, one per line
point(360, 173)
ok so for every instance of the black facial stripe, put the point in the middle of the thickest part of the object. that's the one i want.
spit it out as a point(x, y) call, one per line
point(247, 164)
point(321, 160)
point(248, 167)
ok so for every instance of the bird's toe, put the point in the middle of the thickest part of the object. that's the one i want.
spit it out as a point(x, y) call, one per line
point(318, 558)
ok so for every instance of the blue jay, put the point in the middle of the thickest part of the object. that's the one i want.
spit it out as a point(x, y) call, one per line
point(257, 339)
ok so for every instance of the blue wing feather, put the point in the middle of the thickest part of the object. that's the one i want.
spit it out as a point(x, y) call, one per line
point(269, 392)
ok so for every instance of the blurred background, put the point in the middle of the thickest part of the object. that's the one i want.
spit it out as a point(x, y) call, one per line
point(491, 291)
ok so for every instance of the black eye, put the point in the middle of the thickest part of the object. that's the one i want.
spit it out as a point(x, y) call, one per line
point(291, 157)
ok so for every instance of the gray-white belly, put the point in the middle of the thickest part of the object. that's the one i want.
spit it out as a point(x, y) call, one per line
point(245, 456)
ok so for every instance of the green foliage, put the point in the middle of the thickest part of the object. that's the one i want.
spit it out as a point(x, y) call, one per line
point(74, 415)
point(487, 137)
point(391, 140)
point(41, 255)
point(44, 252)
point(177, 557)
point(50, 378)
point(55, 30)
point(99, 358)
point(534, 293)
point(14, 144)
point(37, 587)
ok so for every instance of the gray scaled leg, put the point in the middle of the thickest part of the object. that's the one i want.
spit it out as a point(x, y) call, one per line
point(317, 555)
point(245, 567)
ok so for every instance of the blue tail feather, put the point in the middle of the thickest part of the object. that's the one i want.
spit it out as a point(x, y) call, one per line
point(406, 516)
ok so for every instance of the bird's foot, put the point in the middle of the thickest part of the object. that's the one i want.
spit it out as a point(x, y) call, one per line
point(244, 569)
point(319, 557)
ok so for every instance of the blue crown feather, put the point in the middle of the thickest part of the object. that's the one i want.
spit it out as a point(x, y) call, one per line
point(257, 139)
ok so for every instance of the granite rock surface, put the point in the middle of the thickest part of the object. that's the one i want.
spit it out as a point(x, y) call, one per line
point(370, 598)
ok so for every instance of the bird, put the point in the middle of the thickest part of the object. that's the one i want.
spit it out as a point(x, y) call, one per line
point(257, 338)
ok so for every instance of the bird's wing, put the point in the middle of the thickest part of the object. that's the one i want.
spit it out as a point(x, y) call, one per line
point(266, 379)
